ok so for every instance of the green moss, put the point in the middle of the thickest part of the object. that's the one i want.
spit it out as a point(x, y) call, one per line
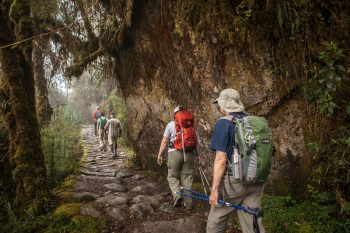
point(69, 182)
point(85, 153)
point(67, 218)
point(66, 196)
point(67, 210)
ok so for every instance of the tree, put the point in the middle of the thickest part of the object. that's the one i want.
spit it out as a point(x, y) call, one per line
point(25, 156)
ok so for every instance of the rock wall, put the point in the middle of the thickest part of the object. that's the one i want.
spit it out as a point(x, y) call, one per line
point(163, 67)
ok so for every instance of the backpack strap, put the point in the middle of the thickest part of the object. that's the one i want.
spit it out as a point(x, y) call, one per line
point(233, 142)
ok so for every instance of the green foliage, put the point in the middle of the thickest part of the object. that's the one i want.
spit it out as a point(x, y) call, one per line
point(313, 147)
point(331, 171)
point(283, 214)
point(325, 77)
point(61, 145)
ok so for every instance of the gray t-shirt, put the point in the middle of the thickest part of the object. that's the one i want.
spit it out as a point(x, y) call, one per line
point(170, 132)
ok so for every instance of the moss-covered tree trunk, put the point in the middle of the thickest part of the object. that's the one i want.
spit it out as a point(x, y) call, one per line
point(26, 158)
point(43, 108)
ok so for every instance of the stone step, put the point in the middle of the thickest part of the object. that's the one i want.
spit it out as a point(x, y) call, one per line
point(92, 173)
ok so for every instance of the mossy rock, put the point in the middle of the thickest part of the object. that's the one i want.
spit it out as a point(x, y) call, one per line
point(67, 210)
point(69, 182)
point(67, 218)
point(68, 196)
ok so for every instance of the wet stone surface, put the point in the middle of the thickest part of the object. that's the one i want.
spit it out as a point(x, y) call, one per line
point(129, 199)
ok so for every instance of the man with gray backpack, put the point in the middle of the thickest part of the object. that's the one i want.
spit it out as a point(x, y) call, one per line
point(243, 159)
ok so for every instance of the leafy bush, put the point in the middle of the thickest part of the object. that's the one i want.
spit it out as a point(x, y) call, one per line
point(283, 214)
point(332, 167)
point(324, 78)
point(60, 142)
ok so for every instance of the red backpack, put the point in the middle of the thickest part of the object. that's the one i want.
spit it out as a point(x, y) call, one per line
point(185, 133)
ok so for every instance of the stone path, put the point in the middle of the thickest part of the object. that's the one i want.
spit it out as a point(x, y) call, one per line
point(130, 200)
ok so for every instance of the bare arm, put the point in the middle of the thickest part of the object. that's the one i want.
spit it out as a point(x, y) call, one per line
point(219, 169)
point(163, 146)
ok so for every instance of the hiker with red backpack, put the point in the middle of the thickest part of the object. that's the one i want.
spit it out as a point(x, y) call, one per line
point(243, 159)
point(94, 116)
point(180, 138)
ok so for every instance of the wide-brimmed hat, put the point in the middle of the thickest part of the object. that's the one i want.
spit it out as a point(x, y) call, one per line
point(230, 101)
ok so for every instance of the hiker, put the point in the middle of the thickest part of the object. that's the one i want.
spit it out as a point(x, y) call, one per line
point(225, 185)
point(95, 115)
point(181, 154)
point(101, 123)
point(114, 132)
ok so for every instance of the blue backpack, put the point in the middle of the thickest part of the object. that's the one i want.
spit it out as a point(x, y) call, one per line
point(98, 115)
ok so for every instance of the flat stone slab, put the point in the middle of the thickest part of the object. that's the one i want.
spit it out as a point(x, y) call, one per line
point(109, 170)
point(81, 186)
point(84, 196)
point(89, 211)
point(101, 179)
point(115, 187)
point(138, 177)
point(138, 189)
point(113, 200)
point(116, 213)
point(92, 173)
point(141, 209)
point(106, 165)
point(168, 208)
point(90, 167)
point(153, 200)
point(124, 175)
point(90, 161)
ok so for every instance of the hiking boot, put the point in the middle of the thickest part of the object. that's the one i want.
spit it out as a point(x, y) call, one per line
point(188, 206)
point(178, 201)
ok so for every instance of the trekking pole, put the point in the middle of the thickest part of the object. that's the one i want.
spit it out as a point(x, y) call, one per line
point(206, 180)
point(254, 212)
point(200, 172)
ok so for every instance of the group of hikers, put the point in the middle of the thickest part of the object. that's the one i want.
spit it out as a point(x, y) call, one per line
point(107, 130)
point(243, 159)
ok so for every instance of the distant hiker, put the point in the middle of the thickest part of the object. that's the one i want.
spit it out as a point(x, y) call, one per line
point(114, 132)
point(236, 179)
point(95, 115)
point(101, 123)
point(181, 137)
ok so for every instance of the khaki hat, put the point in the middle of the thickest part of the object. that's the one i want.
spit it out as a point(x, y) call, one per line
point(230, 101)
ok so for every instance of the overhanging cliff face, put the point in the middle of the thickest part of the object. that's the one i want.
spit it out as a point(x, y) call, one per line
point(162, 67)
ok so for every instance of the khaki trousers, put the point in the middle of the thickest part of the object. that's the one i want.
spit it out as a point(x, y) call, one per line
point(235, 192)
point(103, 139)
point(180, 173)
